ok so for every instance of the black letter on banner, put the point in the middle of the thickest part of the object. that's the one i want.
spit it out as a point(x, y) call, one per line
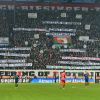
point(31, 73)
point(40, 73)
point(24, 73)
point(46, 73)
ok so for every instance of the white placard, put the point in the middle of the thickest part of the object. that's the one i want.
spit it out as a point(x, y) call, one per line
point(32, 15)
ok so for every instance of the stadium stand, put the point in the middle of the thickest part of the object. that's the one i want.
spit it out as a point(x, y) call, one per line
point(34, 39)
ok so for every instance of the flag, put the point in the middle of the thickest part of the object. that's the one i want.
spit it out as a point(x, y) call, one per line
point(62, 40)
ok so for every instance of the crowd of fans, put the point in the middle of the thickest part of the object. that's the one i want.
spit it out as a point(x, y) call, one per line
point(43, 50)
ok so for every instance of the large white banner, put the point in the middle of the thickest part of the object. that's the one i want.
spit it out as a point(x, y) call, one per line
point(79, 63)
point(61, 34)
point(61, 30)
point(60, 22)
point(73, 67)
point(72, 50)
point(30, 29)
point(16, 48)
point(16, 65)
point(12, 61)
point(81, 58)
point(15, 54)
point(4, 40)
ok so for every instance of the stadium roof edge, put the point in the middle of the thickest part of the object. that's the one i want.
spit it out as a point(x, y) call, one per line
point(39, 3)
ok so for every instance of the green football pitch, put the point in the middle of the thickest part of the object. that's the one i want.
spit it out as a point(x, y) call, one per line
point(49, 92)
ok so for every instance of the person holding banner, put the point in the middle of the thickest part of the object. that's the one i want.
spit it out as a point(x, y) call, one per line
point(63, 79)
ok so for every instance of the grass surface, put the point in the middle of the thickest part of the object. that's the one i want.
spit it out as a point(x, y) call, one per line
point(29, 91)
